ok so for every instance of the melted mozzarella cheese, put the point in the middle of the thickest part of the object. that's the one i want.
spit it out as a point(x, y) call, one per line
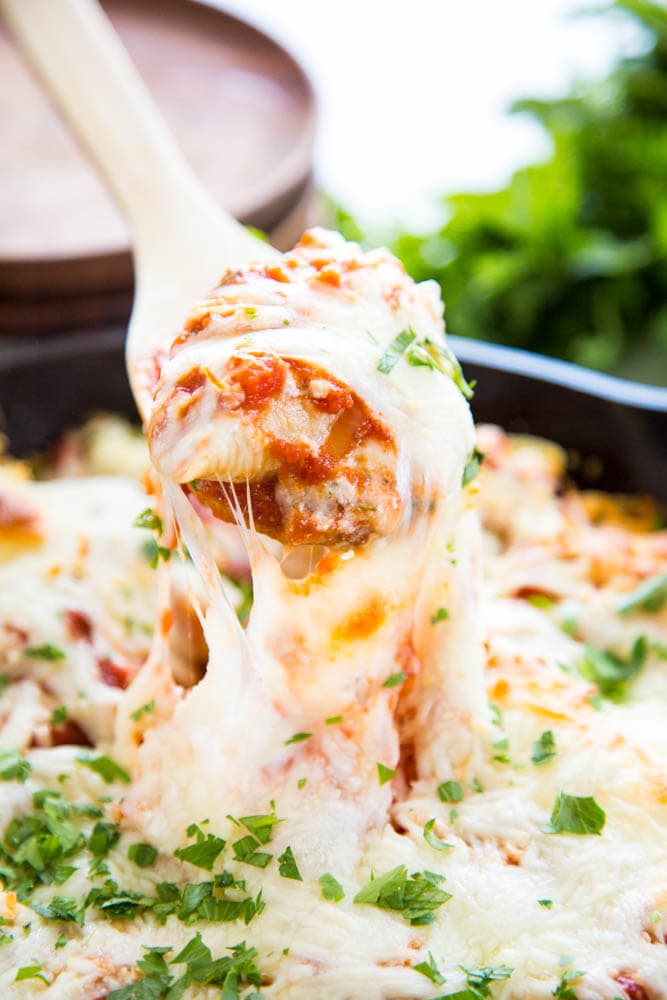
point(463, 619)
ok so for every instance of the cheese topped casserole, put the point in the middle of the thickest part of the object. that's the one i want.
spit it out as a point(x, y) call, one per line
point(357, 703)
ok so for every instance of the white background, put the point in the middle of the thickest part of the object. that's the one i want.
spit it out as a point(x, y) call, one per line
point(414, 94)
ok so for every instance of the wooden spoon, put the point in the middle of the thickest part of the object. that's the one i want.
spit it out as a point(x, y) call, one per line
point(182, 239)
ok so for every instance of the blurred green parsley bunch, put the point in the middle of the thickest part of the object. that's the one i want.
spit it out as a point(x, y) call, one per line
point(570, 258)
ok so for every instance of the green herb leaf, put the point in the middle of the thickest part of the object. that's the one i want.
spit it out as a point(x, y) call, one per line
point(544, 749)
point(430, 970)
point(59, 715)
point(613, 674)
point(143, 710)
point(287, 866)
point(149, 519)
point(395, 351)
point(154, 552)
point(432, 838)
point(204, 851)
point(331, 889)
point(143, 855)
point(394, 680)
point(31, 972)
point(502, 745)
point(441, 615)
point(106, 767)
point(385, 773)
point(261, 826)
point(333, 720)
point(546, 903)
point(245, 850)
point(45, 652)
point(450, 791)
point(60, 908)
point(480, 978)
point(576, 814)
point(650, 596)
point(562, 990)
point(103, 838)
point(472, 466)
point(416, 896)
point(13, 766)
point(298, 738)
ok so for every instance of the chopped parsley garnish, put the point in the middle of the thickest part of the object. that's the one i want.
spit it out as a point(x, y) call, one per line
point(385, 773)
point(441, 615)
point(245, 850)
point(546, 903)
point(544, 749)
point(450, 791)
point(143, 710)
point(395, 351)
point(61, 942)
point(650, 596)
point(31, 972)
point(496, 715)
point(562, 990)
point(5, 679)
point(394, 680)
point(155, 552)
point(415, 896)
point(570, 625)
point(302, 782)
point(333, 720)
point(115, 903)
point(59, 715)
point(37, 847)
point(576, 814)
point(432, 838)
point(208, 901)
point(204, 851)
point(149, 519)
point(332, 890)
point(103, 838)
point(45, 652)
point(477, 786)
point(430, 970)
point(106, 767)
point(143, 855)
point(244, 607)
point(541, 601)
point(479, 980)
point(232, 973)
point(472, 466)
point(14, 767)
point(60, 908)
point(438, 357)
point(287, 866)
point(298, 738)
point(613, 673)
point(250, 312)
point(501, 745)
point(261, 825)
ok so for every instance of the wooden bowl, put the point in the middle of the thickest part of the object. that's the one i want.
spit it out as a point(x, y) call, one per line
point(241, 108)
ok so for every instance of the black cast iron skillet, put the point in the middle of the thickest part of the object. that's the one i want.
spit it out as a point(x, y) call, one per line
point(615, 431)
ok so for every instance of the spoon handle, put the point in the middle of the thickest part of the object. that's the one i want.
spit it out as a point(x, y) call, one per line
point(76, 52)
point(182, 239)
